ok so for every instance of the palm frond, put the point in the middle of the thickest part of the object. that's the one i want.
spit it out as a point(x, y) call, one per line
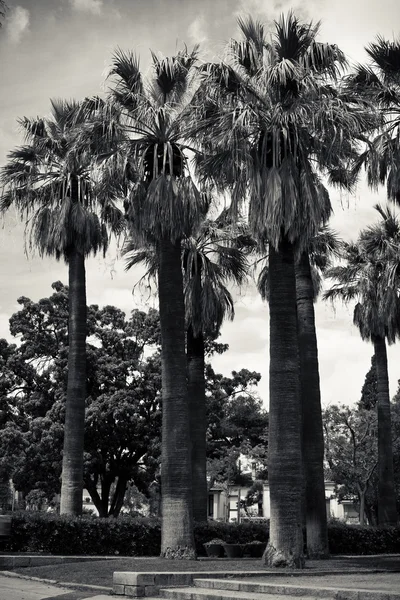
point(129, 85)
point(386, 55)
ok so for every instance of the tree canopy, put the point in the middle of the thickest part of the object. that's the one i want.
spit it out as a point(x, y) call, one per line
point(123, 404)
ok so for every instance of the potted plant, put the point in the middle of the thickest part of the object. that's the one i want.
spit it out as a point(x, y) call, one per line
point(233, 550)
point(215, 548)
point(255, 549)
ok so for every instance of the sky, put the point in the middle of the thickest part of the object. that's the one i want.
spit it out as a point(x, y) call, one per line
point(62, 48)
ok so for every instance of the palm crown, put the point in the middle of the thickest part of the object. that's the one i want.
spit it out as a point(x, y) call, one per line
point(211, 257)
point(277, 116)
point(369, 276)
point(52, 179)
point(379, 83)
point(151, 167)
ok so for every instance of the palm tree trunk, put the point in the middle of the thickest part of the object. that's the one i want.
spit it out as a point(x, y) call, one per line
point(285, 547)
point(177, 539)
point(312, 429)
point(74, 428)
point(387, 514)
point(198, 422)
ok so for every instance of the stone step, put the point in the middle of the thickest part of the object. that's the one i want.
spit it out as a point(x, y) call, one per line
point(293, 590)
point(197, 593)
point(237, 585)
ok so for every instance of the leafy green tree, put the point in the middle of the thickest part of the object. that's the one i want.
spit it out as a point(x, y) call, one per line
point(51, 181)
point(237, 422)
point(255, 495)
point(377, 316)
point(351, 451)
point(369, 390)
point(271, 114)
point(123, 404)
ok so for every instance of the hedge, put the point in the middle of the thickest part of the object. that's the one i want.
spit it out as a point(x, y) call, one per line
point(36, 532)
point(128, 536)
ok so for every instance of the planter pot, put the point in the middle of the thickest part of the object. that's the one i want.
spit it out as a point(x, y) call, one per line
point(233, 550)
point(255, 550)
point(214, 550)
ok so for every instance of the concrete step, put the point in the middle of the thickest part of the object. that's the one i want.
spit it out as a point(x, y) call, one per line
point(237, 585)
point(197, 593)
point(336, 592)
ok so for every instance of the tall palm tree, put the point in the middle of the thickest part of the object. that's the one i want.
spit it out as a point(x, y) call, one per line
point(314, 259)
point(309, 266)
point(163, 206)
point(370, 263)
point(214, 255)
point(275, 112)
point(52, 182)
point(210, 260)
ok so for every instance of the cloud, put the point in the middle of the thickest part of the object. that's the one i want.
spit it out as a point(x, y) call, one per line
point(197, 30)
point(260, 10)
point(91, 6)
point(17, 23)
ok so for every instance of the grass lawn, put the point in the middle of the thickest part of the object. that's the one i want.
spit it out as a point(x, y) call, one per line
point(100, 572)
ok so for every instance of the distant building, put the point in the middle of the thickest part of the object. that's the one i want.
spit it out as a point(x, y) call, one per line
point(223, 502)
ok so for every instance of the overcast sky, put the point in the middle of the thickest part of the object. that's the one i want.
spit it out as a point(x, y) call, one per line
point(61, 49)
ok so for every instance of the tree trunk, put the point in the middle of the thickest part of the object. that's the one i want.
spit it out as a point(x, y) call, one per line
point(312, 428)
point(98, 501)
point(198, 422)
point(285, 547)
point(387, 514)
point(74, 428)
point(118, 497)
point(177, 538)
point(362, 508)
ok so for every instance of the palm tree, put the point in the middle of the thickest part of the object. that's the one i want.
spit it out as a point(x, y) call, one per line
point(51, 181)
point(379, 82)
point(214, 255)
point(163, 207)
point(209, 260)
point(309, 266)
point(370, 263)
point(275, 112)
point(317, 257)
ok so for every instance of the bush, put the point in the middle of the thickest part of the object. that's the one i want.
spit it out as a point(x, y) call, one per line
point(127, 536)
point(357, 539)
point(133, 536)
point(231, 533)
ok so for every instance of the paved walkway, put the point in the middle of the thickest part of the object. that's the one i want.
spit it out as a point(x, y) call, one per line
point(383, 582)
point(363, 575)
point(15, 588)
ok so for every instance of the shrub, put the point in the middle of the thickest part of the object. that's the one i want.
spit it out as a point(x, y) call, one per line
point(231, 533)
point(357, 539)
point(36, 532)
point(133, 536)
